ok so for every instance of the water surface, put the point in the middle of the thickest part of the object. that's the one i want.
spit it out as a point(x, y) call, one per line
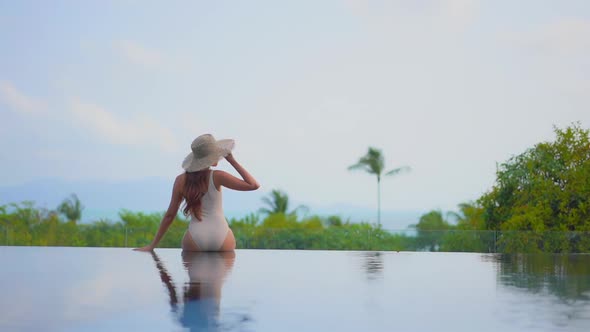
point(112, 289)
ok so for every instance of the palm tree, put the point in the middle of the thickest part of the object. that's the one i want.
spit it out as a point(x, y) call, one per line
point(71, 208)
point(278, 202)
point(374, 163)
point(470, 216)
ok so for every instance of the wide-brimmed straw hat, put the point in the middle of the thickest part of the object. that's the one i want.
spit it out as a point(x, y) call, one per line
point(206, 151)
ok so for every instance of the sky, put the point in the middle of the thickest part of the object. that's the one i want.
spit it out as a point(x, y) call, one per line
point(117, 90)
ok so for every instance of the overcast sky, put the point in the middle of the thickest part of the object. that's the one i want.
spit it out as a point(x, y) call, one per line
point(117, 90)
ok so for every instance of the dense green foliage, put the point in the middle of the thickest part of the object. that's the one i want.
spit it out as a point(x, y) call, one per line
point(544, 191)
point(435, 232)
point(24, 224)
point(287, 232)
point(547, 188)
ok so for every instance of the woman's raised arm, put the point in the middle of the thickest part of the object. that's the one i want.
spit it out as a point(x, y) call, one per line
point(247, 183)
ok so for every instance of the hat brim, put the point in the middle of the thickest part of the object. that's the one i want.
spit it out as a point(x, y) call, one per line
point(223, 147)
point(226, 146)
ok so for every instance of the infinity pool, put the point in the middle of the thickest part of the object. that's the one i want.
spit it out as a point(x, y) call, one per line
point(113, 289)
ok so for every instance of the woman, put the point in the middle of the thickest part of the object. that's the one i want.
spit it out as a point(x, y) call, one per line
point(200, 188)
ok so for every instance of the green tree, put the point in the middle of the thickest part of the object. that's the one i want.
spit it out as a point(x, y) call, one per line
point(71, 208)
point(278, 202)
point(373, 163)
point(431, 229)
point(544, 189)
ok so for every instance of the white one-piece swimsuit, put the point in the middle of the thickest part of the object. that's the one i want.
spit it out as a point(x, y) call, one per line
point(210, 232)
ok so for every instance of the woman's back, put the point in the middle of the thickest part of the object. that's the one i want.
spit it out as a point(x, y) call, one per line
point(209, 232)
point(212, 202)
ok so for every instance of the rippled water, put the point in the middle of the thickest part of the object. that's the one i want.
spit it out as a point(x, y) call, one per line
point(112, 289)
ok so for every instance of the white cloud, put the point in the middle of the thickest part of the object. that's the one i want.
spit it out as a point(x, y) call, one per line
point(138, 54)
point(18, 101)
point(137, 131)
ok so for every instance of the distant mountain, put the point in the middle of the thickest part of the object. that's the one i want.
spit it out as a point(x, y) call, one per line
point(104, 199)
point(145, 194)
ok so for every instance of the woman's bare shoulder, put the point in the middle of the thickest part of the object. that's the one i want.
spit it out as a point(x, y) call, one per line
point(179, 180)
point(219, 172)
point(218, 178)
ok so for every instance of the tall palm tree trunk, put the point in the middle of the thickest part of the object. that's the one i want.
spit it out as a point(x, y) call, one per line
point(378, 201)
point(374, 163)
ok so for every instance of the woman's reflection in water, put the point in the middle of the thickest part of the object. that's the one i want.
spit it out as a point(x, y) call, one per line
point(198, 309)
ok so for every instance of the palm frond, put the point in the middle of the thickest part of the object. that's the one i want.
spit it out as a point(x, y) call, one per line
point(71, 208)
point(356, 166)
point(454, 215)
point(268, 202)
point(277, 202)
point(265, 211)
point(398, 170)
point(300, 208)
point(372, 162)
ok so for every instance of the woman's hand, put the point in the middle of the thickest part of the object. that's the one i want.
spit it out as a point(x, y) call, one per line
point(146, 248)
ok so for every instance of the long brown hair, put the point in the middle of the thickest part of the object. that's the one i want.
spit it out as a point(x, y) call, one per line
point(195, 186)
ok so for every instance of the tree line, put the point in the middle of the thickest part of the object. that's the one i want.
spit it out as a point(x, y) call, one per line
point(540, 202)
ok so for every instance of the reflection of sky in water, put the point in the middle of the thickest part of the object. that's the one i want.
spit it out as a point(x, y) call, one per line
point(107, 289)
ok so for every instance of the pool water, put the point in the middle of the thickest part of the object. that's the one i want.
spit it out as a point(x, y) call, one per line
point(116, 289)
